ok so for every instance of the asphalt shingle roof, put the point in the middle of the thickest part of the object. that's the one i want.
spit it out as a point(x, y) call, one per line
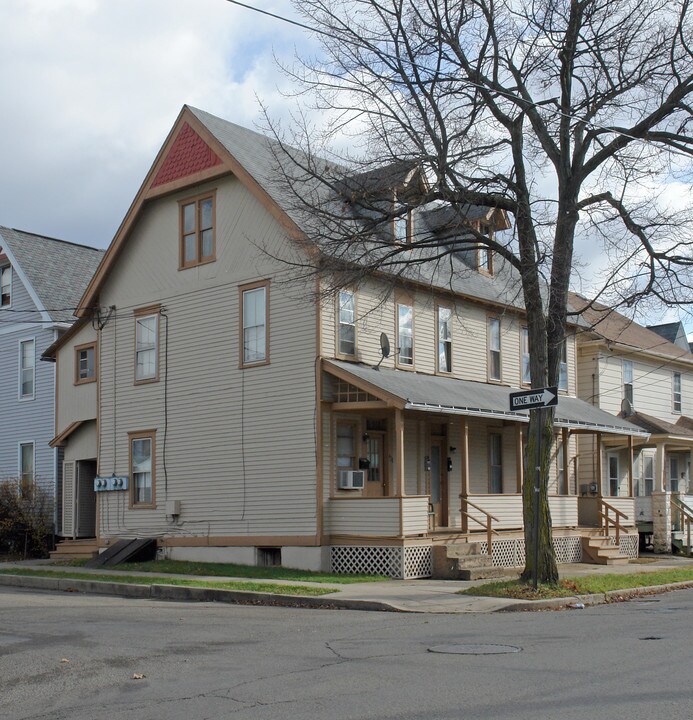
point(57, 270)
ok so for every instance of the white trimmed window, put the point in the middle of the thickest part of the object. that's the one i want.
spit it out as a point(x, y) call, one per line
point(495, 457)
point(5, 286)
point(27, 369)
point(563, 367)
point(678, 397)
point(405, 334)
point(347, 323)
point(346, 446)
point(524, 353)
point(146, 347)
point(255, 336)
point(26, 462)
point(494, 349)
point(628, 380)
point(444, 339)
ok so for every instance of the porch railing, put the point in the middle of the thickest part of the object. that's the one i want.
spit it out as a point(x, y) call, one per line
point(684, 516)
point(488, 525)
point(608, 521)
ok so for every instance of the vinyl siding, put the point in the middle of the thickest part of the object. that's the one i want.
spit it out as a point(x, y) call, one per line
point(30, 420)
point(240, 444)
point(75, 402)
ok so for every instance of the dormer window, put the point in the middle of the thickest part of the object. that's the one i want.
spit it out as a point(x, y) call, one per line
point(484, 253)
point(401, 224)
point(5, 286)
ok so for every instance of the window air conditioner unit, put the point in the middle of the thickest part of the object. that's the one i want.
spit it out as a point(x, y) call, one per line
point(352, 479)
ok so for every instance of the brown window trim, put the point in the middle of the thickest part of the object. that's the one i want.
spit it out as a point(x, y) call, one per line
point(491, 432)
point(337, 353)
point(77, 350)
point(140, 435)
point(409, 231)
point(242, 364)
point(197, 199)
point(489, 379)
point(484, 229)
point(357, 425)
point(153, 310)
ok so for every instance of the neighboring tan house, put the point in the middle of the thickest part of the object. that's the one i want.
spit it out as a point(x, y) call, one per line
point(41, 282)
point(644, 375)
point(234, 418)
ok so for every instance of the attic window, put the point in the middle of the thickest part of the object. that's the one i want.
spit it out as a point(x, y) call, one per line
point(5, 286)
point(197, 240)
point(402, 226)
point(484, 253)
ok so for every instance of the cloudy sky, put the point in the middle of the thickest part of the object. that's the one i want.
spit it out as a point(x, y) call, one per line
point(90, 88)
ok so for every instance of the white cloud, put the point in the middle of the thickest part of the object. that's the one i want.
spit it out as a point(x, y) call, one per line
point(90, 90)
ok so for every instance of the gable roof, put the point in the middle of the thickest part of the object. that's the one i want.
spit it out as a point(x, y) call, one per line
point(674, 332)
point(253, 158)
point(656, 426)
point(54, 272)
point(613, 327)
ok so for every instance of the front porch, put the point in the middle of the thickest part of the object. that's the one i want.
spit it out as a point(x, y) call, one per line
point(422, 475)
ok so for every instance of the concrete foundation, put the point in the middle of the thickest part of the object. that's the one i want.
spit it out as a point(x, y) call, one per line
point(302, 558)
point(661, 522)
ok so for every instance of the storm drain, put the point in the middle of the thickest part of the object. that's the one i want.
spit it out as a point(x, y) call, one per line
point(466, 649)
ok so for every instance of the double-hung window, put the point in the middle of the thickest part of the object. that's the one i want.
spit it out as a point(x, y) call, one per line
point(494, 349)
point(563, 367)
point(495, 457)
point(561, 478)
point(85, 363)
point(142, 468)
point(444, 339)
point(405, 334)
point(255, 324)
point(27, 369)
point(5, 286)
point(197, 241)
point(524, 353)
point(678, 398)
point(146, 346)
point(484, 253)
point(628, 380)
point(346, 322)
point(26, 463)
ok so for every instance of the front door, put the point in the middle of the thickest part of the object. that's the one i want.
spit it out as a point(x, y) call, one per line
point(377, 483)
point(438, 489)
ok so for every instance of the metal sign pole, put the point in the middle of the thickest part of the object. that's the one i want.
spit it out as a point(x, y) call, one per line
point(538, 416)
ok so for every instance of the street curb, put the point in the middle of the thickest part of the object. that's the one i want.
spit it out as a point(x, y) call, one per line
point(180, 593)
point(594, 599)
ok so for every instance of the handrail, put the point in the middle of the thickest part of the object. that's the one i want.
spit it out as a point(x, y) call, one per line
point(685, 514)
point(488, 526)
point(605, 509)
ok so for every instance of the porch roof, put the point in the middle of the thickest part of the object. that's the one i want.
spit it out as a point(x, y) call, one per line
point(432, 393)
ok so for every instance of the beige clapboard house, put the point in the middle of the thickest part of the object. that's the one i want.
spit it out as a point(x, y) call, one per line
point(232, 417)
point(647, 378)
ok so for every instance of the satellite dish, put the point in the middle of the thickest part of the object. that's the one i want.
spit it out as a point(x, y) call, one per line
point(384, 349)
point(627, 408)
point(384, 345)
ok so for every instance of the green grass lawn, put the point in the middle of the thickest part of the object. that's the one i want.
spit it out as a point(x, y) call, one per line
point(586, 585)
point(154, 580)
point(184, 567)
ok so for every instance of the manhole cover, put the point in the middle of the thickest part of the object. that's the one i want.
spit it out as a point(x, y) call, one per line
point(464, 649)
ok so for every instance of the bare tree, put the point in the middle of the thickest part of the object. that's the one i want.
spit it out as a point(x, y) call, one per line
point(571, 117)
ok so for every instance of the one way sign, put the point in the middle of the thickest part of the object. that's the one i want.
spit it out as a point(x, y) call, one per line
point(533, 399)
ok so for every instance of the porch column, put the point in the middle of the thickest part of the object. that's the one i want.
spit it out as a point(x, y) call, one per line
point(399, 451)
point(661, 506)
point(599, 478)
point(519, 457)
point(566, 477)
point(464, 464)
point(630, 465)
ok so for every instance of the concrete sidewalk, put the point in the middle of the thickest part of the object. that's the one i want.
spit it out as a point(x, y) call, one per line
point(421, 596)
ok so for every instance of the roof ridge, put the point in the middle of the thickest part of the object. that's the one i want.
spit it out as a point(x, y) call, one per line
point(53, 239)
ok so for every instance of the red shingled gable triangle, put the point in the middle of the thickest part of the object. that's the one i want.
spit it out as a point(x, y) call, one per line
point(188, 155)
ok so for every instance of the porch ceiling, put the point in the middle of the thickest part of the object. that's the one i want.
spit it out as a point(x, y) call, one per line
point(432, 393)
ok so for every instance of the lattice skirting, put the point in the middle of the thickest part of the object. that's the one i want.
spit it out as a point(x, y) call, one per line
point(511, 552)
point(395, 562)
point(629, 545)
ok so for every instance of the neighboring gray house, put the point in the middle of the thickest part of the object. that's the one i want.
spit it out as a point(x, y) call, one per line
point(41, 282)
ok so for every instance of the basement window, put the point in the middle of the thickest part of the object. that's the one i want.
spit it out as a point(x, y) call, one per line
point(269, 557)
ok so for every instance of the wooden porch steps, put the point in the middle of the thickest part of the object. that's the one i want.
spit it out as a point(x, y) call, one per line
point(599, 550)
point(81, 549)
point(463, 561)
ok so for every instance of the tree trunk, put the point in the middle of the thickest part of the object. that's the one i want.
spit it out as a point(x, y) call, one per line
point(547, 569)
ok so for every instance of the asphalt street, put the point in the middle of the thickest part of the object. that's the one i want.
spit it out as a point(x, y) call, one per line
point(78, 657)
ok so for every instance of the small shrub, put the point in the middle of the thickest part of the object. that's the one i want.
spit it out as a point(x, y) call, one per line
point(26, 520)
